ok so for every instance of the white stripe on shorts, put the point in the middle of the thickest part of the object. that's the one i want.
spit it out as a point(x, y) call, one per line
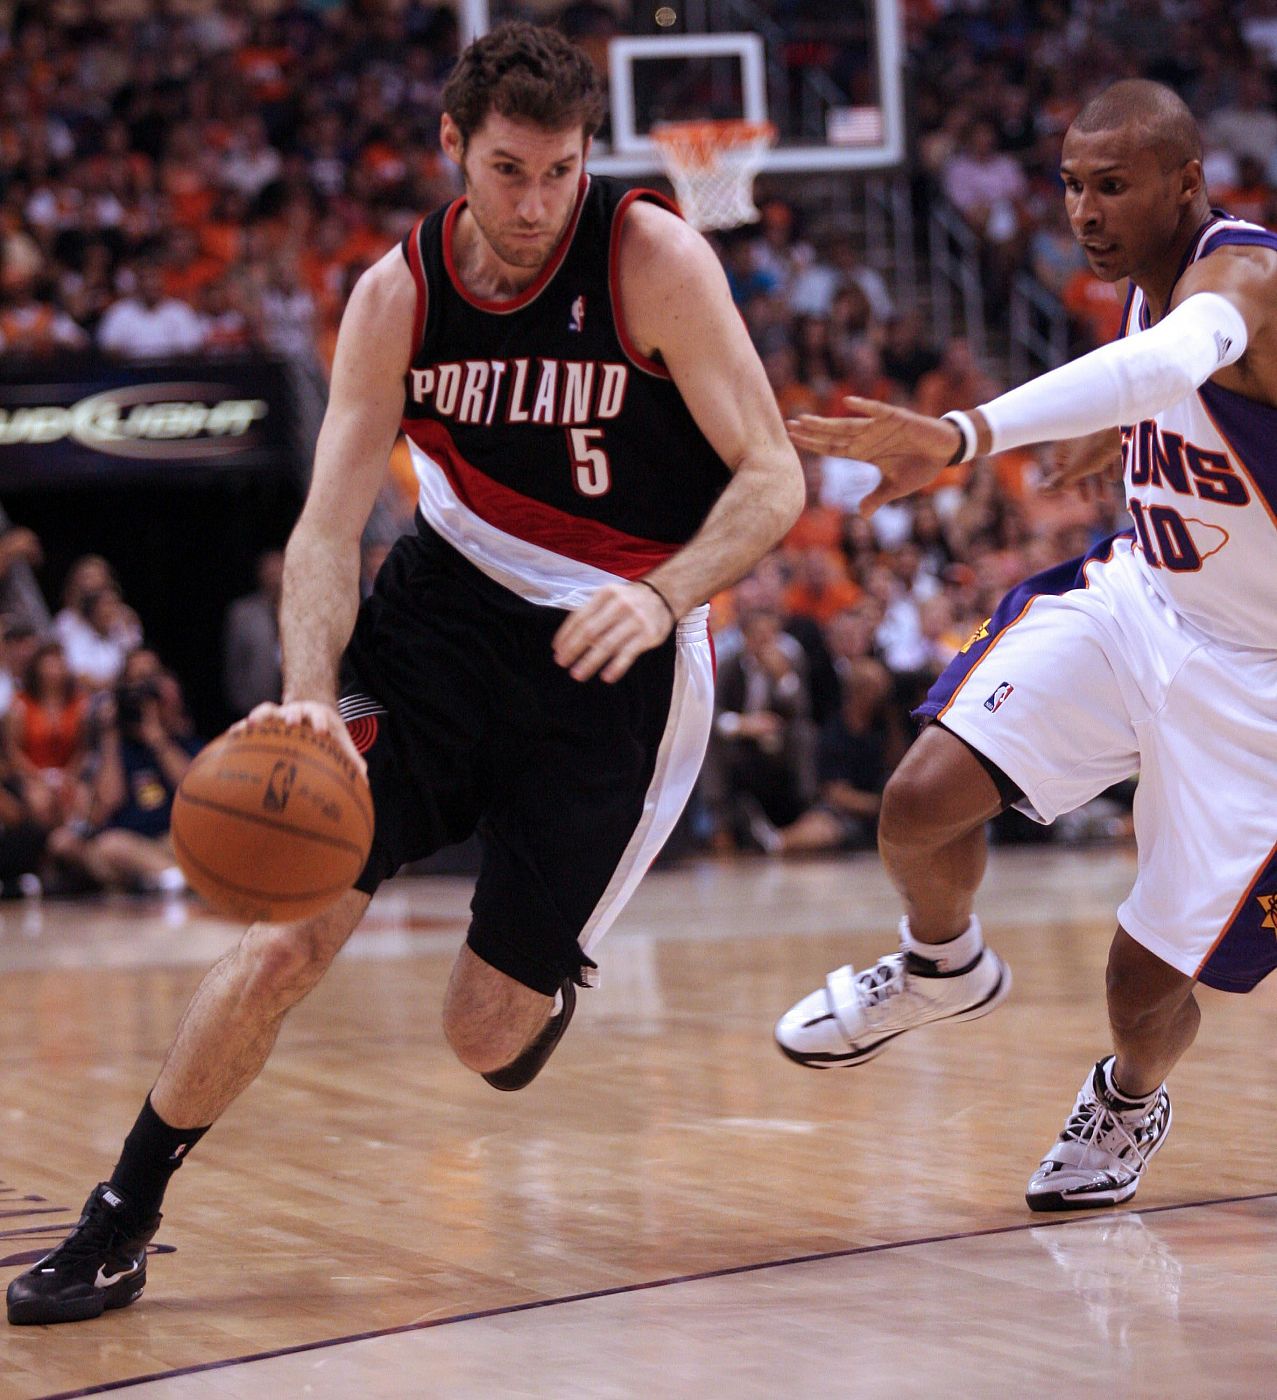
point(678, 763)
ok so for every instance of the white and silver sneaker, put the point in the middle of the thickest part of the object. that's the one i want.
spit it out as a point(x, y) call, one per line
point(852, 1017)
point(1103, 1150)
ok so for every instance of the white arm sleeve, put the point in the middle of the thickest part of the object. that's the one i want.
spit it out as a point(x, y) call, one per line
point(1125, 382)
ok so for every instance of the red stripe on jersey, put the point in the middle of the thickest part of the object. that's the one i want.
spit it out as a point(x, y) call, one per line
point(529, 293)
point(586, 541)
point(419, 277)
point(644, 362)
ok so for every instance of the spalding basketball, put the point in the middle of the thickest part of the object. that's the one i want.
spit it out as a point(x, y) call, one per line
point(272, 822)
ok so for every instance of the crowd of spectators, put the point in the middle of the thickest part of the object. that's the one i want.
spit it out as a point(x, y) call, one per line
point(205, 176)
point(995, 85)
point(196, 175)
point(94, 737)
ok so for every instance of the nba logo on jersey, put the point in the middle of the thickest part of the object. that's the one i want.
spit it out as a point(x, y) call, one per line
point(576, 321)
point(995, 700)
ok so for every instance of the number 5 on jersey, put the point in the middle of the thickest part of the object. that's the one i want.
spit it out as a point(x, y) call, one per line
point(591, 470)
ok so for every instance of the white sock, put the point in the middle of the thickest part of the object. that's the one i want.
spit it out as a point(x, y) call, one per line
point(170, 881)
point(1120, 1094)
point(950, 956)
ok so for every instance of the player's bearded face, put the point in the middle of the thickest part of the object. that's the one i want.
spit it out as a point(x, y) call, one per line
point(1123, 207)
point(521, 186)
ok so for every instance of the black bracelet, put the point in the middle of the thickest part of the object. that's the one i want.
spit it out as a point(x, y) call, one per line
point(966, 448)
point(647, 583)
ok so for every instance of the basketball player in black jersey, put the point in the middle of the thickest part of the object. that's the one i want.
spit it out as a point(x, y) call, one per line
point(599, 452)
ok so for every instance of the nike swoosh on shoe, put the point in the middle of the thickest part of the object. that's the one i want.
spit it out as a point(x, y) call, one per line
point(105, 1280)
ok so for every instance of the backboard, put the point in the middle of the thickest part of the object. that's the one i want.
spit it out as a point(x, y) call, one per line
point(828, 75)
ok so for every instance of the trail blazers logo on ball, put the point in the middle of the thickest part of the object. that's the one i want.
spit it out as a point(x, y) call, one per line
point(999, 696)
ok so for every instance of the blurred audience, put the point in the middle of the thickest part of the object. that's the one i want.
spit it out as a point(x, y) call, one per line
point(250, 652)
point(144, 748)
point(762, 748)
point(207, 177)
point(46, 736)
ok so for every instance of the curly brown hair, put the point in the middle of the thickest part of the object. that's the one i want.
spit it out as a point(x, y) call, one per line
point(526, 72)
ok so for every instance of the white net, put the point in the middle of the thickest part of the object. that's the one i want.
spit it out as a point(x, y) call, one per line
point(712, 165)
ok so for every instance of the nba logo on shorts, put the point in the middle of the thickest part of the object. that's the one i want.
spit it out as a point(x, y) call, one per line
point(998, 696)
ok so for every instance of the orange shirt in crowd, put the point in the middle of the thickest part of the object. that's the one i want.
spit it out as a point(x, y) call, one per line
point(1245, 201)
point(28, 328)
point(190, 199)
point(832, 405)
point(1013, 469)
point(186, 283)
point(801, 600)
point(818, 527)
point(50, 740)
point(222, 242)
point(1094, 304)
point(795, 398)
point(265, 70)
point(402, 475)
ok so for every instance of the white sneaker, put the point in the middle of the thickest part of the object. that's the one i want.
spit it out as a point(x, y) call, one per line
point(853, 1016)
point(1103, 1149)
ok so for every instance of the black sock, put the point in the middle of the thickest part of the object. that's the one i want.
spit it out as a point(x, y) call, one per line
point(152, 1153)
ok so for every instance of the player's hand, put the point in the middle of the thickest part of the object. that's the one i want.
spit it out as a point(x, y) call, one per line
point(1073, 463)
point(909, 449)
point(321, 716)
point(607, 634)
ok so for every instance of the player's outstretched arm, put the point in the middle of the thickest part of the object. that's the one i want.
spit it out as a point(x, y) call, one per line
point(677, 307)
point(1130, 380)
point(321, 564)
point(908, 448)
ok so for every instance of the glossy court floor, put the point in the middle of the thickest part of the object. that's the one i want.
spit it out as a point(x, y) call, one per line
point(672, 1209)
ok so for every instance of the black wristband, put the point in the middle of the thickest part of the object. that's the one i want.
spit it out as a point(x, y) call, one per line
point(647, 583)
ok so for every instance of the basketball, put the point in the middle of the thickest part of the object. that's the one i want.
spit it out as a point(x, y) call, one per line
point(272, 823)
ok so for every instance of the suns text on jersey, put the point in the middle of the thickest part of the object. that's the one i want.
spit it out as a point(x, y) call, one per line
point(1156, 457)
point(553, 393)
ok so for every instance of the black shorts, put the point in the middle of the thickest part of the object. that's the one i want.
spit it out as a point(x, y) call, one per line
point(451, 691)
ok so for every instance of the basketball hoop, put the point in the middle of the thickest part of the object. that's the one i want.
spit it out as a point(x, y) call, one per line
point(712, 165)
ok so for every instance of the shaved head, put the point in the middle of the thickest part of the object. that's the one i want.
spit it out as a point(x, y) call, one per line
point(1151, 114)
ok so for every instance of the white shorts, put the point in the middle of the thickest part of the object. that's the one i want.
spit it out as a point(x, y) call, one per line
point(1085, 676)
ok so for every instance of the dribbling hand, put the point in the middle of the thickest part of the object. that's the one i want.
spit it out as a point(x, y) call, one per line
point(909, 449)
point(322, 717)
point(605, 636)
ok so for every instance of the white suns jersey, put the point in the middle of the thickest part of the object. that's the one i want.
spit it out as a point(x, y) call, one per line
point(1201, 485)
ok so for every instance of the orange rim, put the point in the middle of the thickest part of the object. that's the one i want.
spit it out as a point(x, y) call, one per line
point(700, 142)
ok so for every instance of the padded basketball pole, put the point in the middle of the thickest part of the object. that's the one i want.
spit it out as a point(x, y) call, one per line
point(473, 19)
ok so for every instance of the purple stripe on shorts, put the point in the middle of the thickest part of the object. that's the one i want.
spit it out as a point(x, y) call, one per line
point(1062, 578)
point(1247, 952)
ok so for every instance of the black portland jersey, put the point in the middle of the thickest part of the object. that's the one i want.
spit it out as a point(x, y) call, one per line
point(550, 452)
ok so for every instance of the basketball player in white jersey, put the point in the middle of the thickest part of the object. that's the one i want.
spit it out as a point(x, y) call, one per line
point(1156, 653)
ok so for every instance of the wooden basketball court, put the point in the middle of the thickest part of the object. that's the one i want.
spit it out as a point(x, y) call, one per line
point(672, 1209)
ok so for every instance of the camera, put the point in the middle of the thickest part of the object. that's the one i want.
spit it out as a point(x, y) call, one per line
point(130, 701)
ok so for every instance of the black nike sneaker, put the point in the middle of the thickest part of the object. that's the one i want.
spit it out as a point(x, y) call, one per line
point(101, 1264)
point(522, 1070)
